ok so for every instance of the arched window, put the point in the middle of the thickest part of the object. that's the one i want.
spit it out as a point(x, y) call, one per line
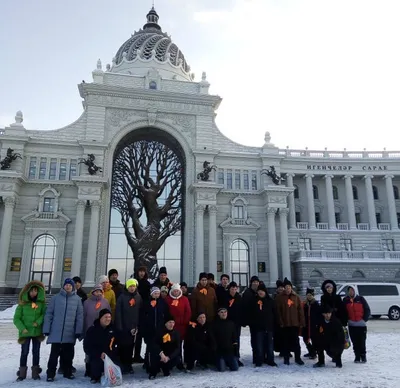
point(296, 191)
point(375, 192)
point(396, 192)
point(355, 192)
point(240, 262)
point(44, 253)
point(315, 192)
point(335, 192)
point(315, 278)
point(358, 275)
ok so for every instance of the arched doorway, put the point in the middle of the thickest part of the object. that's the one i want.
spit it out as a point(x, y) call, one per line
point(240, 262)
point(147, 204)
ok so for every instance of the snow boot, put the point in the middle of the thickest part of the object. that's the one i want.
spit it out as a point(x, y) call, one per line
point(36, 370)
point(22, 373)
point(339, 362)
point(357, 359)
point(286, 360)
point(363, 358)
point(319, 365)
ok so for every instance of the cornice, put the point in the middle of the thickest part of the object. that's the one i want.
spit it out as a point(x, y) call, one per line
point(94, 180)
point(208, 186)
point(12, 177)
point(240, 192)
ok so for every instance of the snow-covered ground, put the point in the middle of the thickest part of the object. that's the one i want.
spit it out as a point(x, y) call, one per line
point(381, 371)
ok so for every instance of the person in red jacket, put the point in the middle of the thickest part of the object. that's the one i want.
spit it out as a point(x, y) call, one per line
point(179, 308)
point(358, 313)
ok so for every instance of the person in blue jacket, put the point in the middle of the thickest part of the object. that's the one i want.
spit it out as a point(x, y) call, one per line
point(63, 325)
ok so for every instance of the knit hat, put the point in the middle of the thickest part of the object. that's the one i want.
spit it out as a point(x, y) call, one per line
point(103, 279)
point(327, 285)
point(232, 284)
point(262, 287)
point(162, 270)
point(203, 275)
point(183, 284)
point(287, 282)
point(175, 286)
point(77, 279)
point(279, 283)
point(97, 287)
point(112, 272)
point(222, 309)
point(200, 313)
point(164, 289)
point(131, 282)
point(168, 317)
point(154, 289)
point(210, 276)
point(104, 312)
point(310, 291)
point(254, 279)
point(69, 281)
point(325, 309)
point(224, 275)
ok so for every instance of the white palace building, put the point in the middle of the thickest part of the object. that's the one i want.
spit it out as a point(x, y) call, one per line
point(335, 215)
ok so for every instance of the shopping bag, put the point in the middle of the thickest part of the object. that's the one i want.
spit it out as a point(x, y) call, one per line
point(112, 374)
point(347, 342)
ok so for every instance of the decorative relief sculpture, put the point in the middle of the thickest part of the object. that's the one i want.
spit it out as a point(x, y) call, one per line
point(89, 162)
point(276, 179)
point(5, 164)
point(205, 174)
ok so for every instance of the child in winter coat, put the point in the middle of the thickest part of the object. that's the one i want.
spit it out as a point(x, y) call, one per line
point(108, 293)
point(312, 315)
point(28, 319)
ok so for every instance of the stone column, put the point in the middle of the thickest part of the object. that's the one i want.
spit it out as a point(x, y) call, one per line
point(291, 203)
point(5, 238)
point(351, 212)
point(272, 251)
point(330, 201)
point(212, 243)
point(310, 201)
point(78, 238)
point(370, 202)
point(391, 202)
point(90, 280)
point(199, 240)
point(286, 270)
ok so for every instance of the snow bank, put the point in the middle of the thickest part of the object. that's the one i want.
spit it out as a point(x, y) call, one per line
point(8, 314)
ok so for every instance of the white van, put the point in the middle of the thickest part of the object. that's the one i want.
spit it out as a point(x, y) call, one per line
point(382, 298)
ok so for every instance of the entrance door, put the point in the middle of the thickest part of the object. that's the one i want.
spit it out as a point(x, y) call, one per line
point(45, 278)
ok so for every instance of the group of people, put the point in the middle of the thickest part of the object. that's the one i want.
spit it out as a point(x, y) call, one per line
point(183, 330)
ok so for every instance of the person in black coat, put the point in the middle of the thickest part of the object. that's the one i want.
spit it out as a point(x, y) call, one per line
point(100, 340)
point(226, 344)
point(165, 352)
point(222, 291)
point(115, 283)
point(334, 301)
point(199, 344)
point(263, 316)
point(330, 338)
point(79, 290)
point(278, 332)
point(312, 315)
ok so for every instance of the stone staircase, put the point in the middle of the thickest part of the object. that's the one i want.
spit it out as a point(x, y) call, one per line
point(9, 300)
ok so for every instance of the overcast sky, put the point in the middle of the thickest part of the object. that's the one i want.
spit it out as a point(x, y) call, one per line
point(314, 73)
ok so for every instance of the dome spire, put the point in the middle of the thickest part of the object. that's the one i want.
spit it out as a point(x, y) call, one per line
point(152, 19)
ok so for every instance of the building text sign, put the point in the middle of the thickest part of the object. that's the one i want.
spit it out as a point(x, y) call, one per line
point(334, 167)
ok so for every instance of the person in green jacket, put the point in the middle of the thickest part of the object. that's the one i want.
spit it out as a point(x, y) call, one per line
point(28, 319)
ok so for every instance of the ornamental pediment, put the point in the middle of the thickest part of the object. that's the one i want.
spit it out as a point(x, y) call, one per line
point(49, 220)
point(237, 223)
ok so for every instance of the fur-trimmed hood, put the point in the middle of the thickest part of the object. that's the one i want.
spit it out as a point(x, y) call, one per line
point(23, 297)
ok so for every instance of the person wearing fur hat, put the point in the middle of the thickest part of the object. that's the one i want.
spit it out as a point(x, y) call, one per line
point(127, 316)
point(203, 299)
point(116, 285)
point(222, 290)
point(162, 279)
point(358, 313)
point(101, 339)
point(63, 325)
point(78, 288)
point(211, 280)
point(28, 319)
point(108, 293)
point(330, 338)
point(334, 301)
point(199, 344)
point(185, 291)
point(312, 314)
point(166, 351)
point(291, 319)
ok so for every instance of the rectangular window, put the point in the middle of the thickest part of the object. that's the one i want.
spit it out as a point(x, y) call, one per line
point(62, 174)
point(337, 218)
point(237, 180)
point(377, 290)
point(358, 218)
point(229, 179)
point(48, 205)
point(221, 177)
point(246, 181)
point(305, 244)
point(32, 168)
point(378, 218)
point(72, 168)
point(298, 217)
point(317, 217)
point(345, 244)
point(254, 180)
point(239, 212)
point(42, 168)
point(53, 169)
point(388, 244)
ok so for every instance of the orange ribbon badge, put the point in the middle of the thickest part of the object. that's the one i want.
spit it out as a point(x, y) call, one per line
point(260, 303)
point(153, 303)
point(132, 302)
point(112, 342)
point(321, 329)
point(34, 305)
point(231, 302)
point(289, 302)
point(98, 305)
point(193, 324)
point(204, 291)
point(166, 338)
point(175, 303)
